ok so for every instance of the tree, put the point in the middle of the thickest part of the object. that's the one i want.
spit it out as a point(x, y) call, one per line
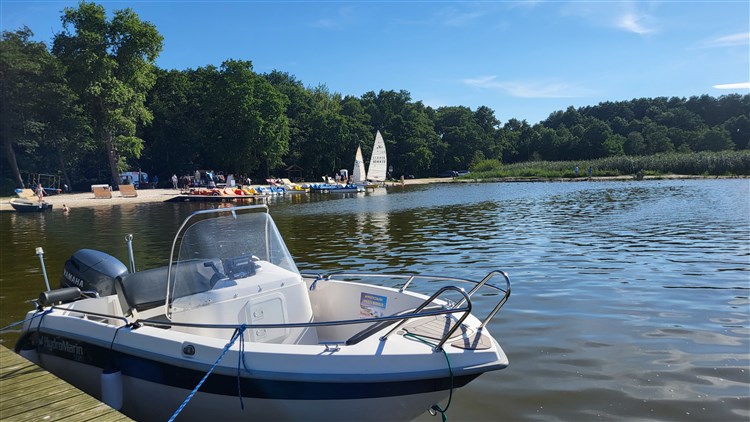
point(716, 139)
point(739, 129)
point(634, 144)
point(460, 131)
point(173, 142)
point(410, 138)
point(110, 66)
point(657, 140)
point(614, 145)
point(300, 105)
point(248, 130)
point(20, 66)
point(37, 116)
point(594, 136)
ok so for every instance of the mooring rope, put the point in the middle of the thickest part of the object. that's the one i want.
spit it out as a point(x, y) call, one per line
point(242, 360)
point(2, 330)
point(436, 407)
point(314, 283)
point(237, 334)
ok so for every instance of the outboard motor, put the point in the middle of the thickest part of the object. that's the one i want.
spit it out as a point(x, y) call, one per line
point(92, 270)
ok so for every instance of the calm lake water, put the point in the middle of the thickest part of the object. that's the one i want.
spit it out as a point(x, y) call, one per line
point(630, 299)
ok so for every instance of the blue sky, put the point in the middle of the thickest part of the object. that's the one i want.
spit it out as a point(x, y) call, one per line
point(523, 59)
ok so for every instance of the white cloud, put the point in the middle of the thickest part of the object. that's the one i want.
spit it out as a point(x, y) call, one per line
point(633, 22)
point(524, 89)
point(739, 85)
point(630, 16)
point(739, 39)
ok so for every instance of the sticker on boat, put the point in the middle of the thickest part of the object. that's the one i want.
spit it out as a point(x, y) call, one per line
point(371, 306)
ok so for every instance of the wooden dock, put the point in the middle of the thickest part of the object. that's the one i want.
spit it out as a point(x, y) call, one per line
point(29, 393)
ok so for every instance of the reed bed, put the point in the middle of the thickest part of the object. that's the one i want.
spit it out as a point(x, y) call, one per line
point(722, 163)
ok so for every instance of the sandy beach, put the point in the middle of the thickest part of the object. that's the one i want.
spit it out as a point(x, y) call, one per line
point(87, 199)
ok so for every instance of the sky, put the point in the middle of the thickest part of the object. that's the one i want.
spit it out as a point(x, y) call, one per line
point(522, 59)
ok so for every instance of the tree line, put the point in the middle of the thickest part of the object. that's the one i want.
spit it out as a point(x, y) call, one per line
point(95, 104)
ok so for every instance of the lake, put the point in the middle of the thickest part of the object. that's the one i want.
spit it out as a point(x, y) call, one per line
point(630, 299)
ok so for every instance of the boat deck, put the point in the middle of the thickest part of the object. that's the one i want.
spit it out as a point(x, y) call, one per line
point(28, 392)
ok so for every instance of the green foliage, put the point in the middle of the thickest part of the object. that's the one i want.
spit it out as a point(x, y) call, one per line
point(40, 127)
point(724, 163)
point(110, 66)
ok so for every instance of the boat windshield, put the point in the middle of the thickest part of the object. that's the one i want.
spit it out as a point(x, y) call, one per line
point(215, 247)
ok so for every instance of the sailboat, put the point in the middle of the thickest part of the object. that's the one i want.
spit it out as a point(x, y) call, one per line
point(378, 161)
point(358, 173)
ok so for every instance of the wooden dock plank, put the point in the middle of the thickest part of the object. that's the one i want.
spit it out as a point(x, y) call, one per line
point(54, 410)
point(20, 397)
point(94, 414)
point(40, 406)
point(28, 392)
point(30, 379)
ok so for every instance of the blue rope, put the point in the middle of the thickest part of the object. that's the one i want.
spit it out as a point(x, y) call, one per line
point(241, 359)
point(314, 283)
point(237, 334)
point(436, 407)
point(2, 330)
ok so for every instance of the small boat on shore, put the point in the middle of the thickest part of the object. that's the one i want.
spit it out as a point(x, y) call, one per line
point(230, 329)
point(25, 205)
point(335, 188)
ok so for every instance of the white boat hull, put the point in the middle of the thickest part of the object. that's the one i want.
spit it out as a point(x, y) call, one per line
point(302, 382)
point(140, 394)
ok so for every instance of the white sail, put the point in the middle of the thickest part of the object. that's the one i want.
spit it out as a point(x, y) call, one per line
point(358, 173)
point(378, 161)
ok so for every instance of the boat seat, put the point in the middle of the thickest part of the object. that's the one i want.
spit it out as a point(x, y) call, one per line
point(147, 289)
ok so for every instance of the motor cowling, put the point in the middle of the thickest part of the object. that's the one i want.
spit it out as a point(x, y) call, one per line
point(92, 270)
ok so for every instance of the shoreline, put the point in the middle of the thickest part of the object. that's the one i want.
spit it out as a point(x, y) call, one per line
point(86, 199)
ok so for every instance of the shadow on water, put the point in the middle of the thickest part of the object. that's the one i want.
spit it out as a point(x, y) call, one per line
point(630, 299)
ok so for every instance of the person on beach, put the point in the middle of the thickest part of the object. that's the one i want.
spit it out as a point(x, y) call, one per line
point(576, 171)
point(174, 181)
point(40, 193)
point(591, 171)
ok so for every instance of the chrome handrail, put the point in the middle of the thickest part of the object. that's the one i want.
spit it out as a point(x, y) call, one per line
point(338, 276)
point(429, 300)
point(500, 304)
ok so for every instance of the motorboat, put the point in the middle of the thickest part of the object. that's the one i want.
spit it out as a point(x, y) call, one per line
point(26, 205)
point(231, 329)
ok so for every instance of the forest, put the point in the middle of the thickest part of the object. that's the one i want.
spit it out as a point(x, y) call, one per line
point(94, 104)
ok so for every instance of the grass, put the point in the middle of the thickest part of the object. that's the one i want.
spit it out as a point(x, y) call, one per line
point(723, 163)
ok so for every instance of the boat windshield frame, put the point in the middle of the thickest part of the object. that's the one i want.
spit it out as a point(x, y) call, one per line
point(193, 228)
